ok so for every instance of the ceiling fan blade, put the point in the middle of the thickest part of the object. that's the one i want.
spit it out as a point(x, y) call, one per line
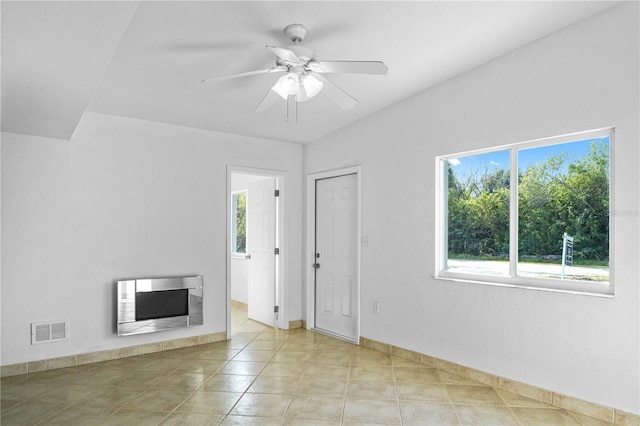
point(336, 94)
point(268, 101)
point(284, 54)
point(352, 67)
point(245, 74)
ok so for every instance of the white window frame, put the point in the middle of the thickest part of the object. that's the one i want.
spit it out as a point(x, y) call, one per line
point(234, 215)
point(550, 284)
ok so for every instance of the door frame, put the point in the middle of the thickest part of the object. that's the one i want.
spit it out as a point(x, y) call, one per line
point(311, 241)
point(280, 240)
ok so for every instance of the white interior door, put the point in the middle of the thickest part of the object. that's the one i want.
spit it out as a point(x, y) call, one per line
point(261, 244)
point(336, 256)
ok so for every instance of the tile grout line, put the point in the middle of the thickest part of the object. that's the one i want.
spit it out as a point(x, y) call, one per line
point(250, 384)
point(346, 393)
point(395, 388)
point(119, 409)
point(51, 416)
point(377, 346)
point(449, 397)
point(510, 408)
point(295, 392)
point(284, 344)
point(190, 394)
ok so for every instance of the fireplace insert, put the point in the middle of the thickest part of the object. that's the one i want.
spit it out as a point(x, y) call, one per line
point(147, 305)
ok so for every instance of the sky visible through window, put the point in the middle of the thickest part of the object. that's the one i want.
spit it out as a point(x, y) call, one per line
point(526, 157)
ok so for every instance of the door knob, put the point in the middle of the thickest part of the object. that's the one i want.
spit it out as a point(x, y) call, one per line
point(316, 265)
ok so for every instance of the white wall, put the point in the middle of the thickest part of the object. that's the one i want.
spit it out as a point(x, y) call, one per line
point(124, 198)
point(582, 77)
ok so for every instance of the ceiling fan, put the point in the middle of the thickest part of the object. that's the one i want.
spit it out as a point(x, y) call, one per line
point(304, 75)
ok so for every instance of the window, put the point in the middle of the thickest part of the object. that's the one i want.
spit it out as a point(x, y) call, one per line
point(239, 222)
point(533, 214)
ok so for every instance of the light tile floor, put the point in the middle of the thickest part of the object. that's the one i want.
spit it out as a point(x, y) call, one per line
point(265, 376)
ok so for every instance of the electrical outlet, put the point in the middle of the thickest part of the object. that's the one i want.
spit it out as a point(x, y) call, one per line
point(376, 307)
point(364, 241)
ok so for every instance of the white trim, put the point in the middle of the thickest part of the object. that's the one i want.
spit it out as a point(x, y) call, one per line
point(547, 284)
point(612, 207)
point(552, 140)
point(441, 226)
point(513, 214)
point(281, 240)
point(239, 256)
point(513, 280)
point(310, 248)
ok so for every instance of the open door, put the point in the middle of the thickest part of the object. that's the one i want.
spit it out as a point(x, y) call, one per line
point(261, 250)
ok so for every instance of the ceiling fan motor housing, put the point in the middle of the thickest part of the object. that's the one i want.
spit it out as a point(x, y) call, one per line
point(296, 33)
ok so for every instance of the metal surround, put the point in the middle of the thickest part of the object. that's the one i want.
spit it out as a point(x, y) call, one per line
point(126, 304)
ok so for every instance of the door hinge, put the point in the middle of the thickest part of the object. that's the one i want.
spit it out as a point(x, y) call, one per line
point(276, 251)
point(276, 193)
point(276, 309)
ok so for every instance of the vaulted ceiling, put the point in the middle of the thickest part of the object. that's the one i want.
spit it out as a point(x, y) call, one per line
point(146, 60)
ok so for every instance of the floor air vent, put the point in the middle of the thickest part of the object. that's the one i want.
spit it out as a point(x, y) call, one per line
point(44, 332)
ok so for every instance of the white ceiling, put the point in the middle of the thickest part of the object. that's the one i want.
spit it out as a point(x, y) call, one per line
point(146, 60)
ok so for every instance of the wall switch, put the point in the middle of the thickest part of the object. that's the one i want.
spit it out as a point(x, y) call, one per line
point(364, 241)
point(376, 307)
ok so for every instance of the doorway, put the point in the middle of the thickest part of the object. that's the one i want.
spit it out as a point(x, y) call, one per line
point(254, 231)
point(333, 288)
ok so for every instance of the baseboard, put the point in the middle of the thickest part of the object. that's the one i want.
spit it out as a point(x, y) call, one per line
point(295, 324)
point(108, 355)
point(576, 405)
point(292, 324)
point(238, 304)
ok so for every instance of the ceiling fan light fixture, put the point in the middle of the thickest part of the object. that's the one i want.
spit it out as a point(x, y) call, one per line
point(286, 85)
point(302, 86)
point(312, 86)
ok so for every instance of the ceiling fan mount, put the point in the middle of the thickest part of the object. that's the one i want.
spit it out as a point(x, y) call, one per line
point(304, 75)
point(295, 32)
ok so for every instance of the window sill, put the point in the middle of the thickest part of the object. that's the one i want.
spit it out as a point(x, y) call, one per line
point(240, 256)
point(551, 285)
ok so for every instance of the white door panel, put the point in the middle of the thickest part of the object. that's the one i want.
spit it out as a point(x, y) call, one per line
point(261, 225)
point(336, 255)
